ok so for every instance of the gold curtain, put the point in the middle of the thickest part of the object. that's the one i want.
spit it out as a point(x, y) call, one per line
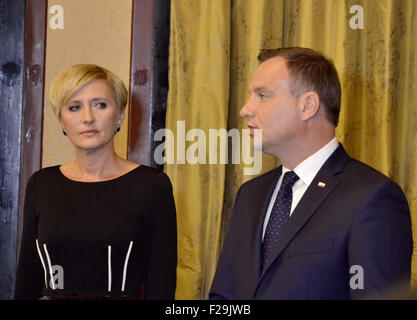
point(199, 96)
point(213, 50)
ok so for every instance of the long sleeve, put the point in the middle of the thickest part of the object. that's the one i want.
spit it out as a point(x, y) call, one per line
point(29, 282)
point(381, 243)
point(161, 238)
point(223, 287)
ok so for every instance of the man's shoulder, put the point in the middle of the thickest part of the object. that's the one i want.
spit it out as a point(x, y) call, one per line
point(361, 178)
point(348, 168)
point(264, 179)
point(358, 169)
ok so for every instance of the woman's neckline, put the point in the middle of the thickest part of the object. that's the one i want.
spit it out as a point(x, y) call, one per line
point(100, 181)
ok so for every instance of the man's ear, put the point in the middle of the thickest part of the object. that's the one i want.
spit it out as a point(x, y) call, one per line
point(310, 105)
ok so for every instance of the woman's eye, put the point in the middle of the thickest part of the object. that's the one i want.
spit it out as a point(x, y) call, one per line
point(102, 105)
point(74, 108)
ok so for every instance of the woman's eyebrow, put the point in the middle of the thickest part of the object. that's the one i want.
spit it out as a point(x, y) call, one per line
point(91, 100)
point(97, 99)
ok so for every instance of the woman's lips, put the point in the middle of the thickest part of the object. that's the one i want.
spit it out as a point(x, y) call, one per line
point(89, 132)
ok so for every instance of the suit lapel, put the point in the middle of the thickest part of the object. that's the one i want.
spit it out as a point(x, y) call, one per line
point(309, 203)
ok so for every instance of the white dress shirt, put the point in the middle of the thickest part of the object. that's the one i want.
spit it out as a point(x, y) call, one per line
point(306, 171)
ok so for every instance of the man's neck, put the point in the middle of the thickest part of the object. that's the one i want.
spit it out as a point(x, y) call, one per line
point(292, 158)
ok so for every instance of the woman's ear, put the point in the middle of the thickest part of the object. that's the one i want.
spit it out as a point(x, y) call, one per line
point(61, 123)
point(122, 117)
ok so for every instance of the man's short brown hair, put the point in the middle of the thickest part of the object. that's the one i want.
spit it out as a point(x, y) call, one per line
point(311, 71)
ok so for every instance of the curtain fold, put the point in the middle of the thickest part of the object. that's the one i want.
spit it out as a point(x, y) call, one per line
point(213, 54)
point(254, 25)
point(199, 96)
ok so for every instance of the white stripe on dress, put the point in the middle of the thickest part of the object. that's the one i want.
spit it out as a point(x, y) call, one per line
point(43, 264)
point(49, 265)
point(109, 267)
point(125, 266)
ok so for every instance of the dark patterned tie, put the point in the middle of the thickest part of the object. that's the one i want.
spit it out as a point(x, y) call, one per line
point(279, 214)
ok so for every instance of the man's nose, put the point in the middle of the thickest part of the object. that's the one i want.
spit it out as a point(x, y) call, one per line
point(247, 111)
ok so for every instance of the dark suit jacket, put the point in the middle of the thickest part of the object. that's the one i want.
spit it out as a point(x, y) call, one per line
point(360, 218)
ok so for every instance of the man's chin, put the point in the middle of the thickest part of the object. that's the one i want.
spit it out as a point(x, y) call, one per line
point(256, 144)
point(257, 147)
point(256, 140)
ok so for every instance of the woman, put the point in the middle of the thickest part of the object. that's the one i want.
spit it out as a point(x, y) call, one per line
point(99, 226)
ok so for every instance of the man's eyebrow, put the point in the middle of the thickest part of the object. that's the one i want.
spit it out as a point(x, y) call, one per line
point(257, 89)
point(260, 89)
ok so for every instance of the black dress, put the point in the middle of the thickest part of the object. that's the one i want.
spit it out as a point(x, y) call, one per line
point(109, 238)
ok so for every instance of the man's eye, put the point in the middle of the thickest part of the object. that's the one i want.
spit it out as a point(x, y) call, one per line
point(74, 108)
point(101, 105)
point(261, 96)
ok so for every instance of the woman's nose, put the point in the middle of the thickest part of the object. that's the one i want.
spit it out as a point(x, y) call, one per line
point(87, 115)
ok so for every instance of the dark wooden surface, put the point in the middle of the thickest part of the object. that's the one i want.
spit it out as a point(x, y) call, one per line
point(22, 56)
point(12, 18)
point(148, 78)
point(161, 30)
point(33, 93)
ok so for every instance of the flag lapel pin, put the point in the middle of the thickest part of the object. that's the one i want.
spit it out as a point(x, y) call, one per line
point(321, 184)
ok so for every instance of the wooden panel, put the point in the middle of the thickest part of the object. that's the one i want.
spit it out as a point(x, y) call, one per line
point(12, 18)
point(159, 71)
point(140, 84)
point(33, 93)
point(85, 39)
point(149, 77)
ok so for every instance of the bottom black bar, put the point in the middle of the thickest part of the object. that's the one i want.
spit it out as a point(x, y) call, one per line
point(213, 310)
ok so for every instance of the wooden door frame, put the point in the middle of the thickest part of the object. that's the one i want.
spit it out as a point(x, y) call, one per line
point(148, 78)
point(33, 97)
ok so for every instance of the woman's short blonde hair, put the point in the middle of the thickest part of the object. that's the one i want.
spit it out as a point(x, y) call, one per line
point(74, 78)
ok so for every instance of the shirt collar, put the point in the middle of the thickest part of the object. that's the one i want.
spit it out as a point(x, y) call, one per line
point(308, 169)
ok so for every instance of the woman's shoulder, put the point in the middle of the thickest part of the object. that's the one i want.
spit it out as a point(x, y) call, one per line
point(150, 175)
point(45, 177)
point(47, 172)
point(149, 171)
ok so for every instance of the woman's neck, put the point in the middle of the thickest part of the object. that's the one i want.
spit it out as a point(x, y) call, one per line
point(97, 165)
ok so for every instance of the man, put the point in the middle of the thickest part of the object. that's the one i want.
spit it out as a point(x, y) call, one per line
point(322, 225)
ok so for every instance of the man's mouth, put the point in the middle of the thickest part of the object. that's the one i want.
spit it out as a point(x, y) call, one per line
point(252, 129)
